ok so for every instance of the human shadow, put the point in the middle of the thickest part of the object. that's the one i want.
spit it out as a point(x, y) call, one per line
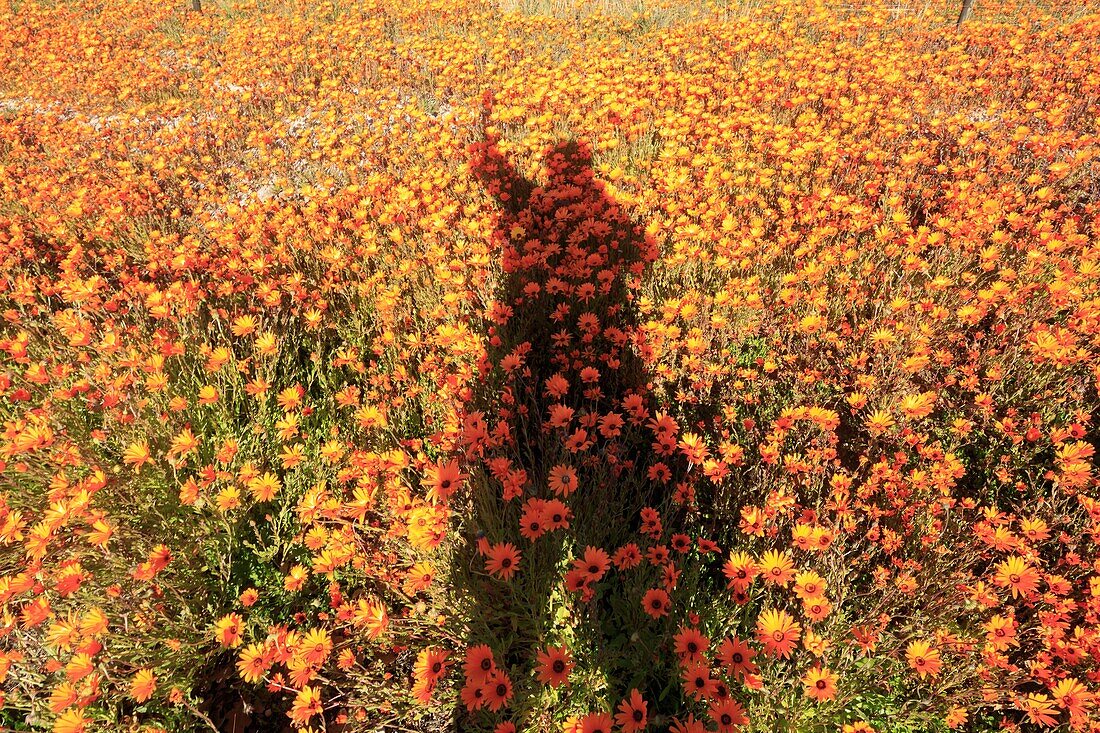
point(565, 394)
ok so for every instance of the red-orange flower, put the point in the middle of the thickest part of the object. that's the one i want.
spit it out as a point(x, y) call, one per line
point(554, 666)
point(656, 602)
point(497, 691)
point(503, 560)
point(632, 715)
point(728, 715)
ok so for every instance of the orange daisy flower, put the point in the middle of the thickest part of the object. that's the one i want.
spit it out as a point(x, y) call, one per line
point(698, 682)
point(777, 567)
point(1015, 574)
point(817, 609)
point(503, 560)
point(820, 684)
point(778, 632)
point(728, 714)
point(497, 691)
point(735, 655)
point(809, 585)
point(143, 685)
point(555, 664)
point(923, 658)
point(479, 664)
point(690, 644)
point(594, 563)
point(1001, 633)
point(431, 665)
point(307, 704)
point(632, 713)
point(443, 480)
point(740, 570)
point(628, 556)
point(228, 630)
point(595, 723)
point(656, 602)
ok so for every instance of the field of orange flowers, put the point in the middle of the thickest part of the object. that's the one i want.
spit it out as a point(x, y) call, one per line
point(446, 365)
